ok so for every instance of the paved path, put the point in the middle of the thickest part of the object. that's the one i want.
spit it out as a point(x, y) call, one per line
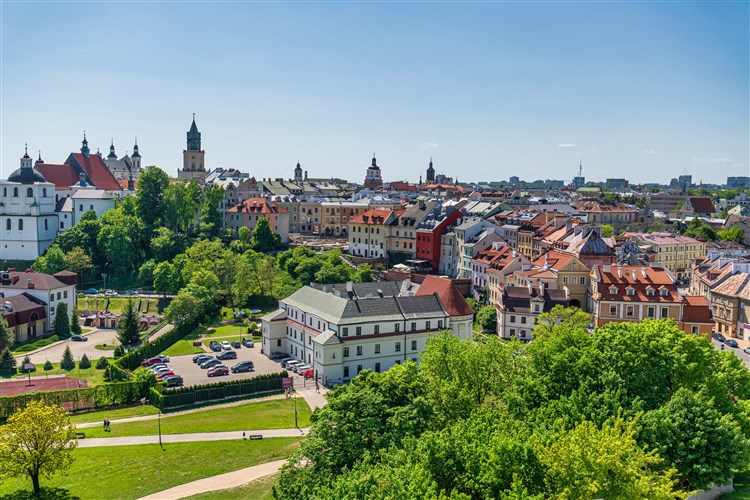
point(188, 438)
point(220, 482)
point(54, 352)
point(86, 425)
point(314, 399)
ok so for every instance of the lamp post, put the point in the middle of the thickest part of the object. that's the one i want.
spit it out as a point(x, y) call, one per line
point(104, 275)
point(295, 411)
point(159, 419)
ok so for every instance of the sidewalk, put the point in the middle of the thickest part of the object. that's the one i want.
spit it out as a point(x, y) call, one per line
point(22, 355)
point(220, 482)
point(87, 425)
point(314, 400)
point(188, 438)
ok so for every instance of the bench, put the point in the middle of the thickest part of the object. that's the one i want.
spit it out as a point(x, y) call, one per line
point(80, 435)
point(197, 343)
point(255, 436)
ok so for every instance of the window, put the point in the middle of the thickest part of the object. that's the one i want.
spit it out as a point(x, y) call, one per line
point(377, 328)
point(45, 225)
point(440, 324)
point(346, 352)
point(345, 331)
point(359, 330)
point(629, 311)
point(512, 332)
point(414, 327)
point(377, 367)
point(650, 292)
point(613, 310)
point(664, 312)
point(29, 193)
point(65, 294)
point(630, 291)
point(565, 280)
point(413, 345)
point(583, 280)
point(44, 192)
point(377, 348)
point(651, 312)
point(523, 319)
point(397, 327)
point(664, 292)
point(7, 225)
point(359, 368)
point(20, 224)
point(359, 350)
point(694, 329)
point(15, 192)
point(278, 342)
point(346, 372)
point(398, 346)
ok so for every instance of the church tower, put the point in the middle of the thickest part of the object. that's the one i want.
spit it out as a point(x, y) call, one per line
point(85, 146)
point(136, 157)
point(430, 173)
point(298, 173)
point(373, 179)
point(112, 155)
point(193, 158)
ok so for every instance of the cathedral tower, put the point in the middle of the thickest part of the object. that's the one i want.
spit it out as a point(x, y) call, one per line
point(193, 158)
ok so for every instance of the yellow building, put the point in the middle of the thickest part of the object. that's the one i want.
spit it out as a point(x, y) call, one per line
point(558, 271)
point(676, 253)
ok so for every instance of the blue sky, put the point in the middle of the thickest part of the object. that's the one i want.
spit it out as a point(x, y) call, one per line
point(489, 90)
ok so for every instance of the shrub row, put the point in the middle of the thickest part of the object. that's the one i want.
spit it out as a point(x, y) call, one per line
point(132, 360)
point(170, 398)
point(77, 399)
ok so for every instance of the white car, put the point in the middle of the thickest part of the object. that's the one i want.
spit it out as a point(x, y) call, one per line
point(746, 350)
point(226, 345)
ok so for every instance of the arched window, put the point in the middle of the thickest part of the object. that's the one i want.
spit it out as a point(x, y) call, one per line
point(44, 192)
point(7, 225)
point(29, 193)
point(15, 192)
point(20, 224)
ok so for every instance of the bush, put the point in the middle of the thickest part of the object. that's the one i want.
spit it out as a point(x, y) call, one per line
point(85, 363)
point(487, 319)
point(182, 396)
point(67, 362)
point(102, 363)
point(27, 361)
point(48, 366)
point(119, 351)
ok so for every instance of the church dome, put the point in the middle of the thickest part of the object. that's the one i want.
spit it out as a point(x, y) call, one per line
point(26, 176)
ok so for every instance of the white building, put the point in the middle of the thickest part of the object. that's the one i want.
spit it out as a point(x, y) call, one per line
point(342, 329)
point(28, 222)
point(50, 289)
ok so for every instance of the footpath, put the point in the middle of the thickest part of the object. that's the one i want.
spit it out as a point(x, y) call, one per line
point(220, 482)
point(189, 438)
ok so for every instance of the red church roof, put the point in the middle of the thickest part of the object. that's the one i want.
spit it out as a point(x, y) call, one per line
point(452, 300)
point(96, 170)
point(62, 176)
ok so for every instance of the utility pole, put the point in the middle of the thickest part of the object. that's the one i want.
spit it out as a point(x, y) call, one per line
point(295, 411)
point(159, 419)
point(104, 275)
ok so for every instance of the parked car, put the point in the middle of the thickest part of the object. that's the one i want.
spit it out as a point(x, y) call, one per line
point(236, 344)
point(720, 337)
point(227, 355)
point(283, 361)
point(158, 366)
point(218, 370)
point(214, 346)
point(200, 358)
point(159, 358)
point(130, 292)
point(309, 373)
point(210, 363)
point(79, 338)
point(163, 375)
point(92, 291)
point(746, 350)
point(244, 366)
point(300, 368)
point(110, 293)
point(161, 369)
point(248, 342)
point(291, 364)
point(173, 381)
point(226, 345)
point(731, 343)
point(277, 355)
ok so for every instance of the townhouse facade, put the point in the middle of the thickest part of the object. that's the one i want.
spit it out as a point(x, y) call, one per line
point(370, 233)
point(248, 212)
point(676, 253)
point(558, 271)
point(519, 307)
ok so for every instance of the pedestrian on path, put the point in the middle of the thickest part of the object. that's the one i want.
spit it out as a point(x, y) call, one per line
point(317, 387)
point(105, 425)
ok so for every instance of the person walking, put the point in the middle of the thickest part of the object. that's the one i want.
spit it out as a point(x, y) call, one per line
point(317, 386)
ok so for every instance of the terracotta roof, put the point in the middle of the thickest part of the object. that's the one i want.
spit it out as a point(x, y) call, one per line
point(62, 176)
point(96, 170)
point(737, 285)
point(23, 306)
point(554, 260)
point(452, 300)
point(41, 281)
point(258, 205)
point(696, 309)
point(376, 216)
point(656, 278)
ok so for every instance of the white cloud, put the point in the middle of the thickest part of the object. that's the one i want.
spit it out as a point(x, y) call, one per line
point(712, 161)
point(567, 145)
point(649, 152)
point(430, 145)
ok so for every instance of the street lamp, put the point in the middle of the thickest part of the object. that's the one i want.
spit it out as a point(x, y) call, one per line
point(159, 419)
point(104, 275)
point(295, 411)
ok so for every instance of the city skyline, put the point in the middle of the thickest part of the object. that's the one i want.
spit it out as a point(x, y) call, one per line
point(644, 92)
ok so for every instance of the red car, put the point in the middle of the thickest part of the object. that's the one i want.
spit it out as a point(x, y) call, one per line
point(218, 370)
point(308, 373)
point(163, 375)
point(156, 359)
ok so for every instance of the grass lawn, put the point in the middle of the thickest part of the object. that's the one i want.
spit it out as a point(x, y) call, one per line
point(182, 348)
point(741, 487)
point(33, 345)
point(93, 375)
point(274, 414)
point(219, 333)
point(260, 489)
point(105, 347)
point(96, 416)
point(127, 472)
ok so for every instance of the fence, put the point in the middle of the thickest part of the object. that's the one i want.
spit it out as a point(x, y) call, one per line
point(186, 396)
point(78, 399)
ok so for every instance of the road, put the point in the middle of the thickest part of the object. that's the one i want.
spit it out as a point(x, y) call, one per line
point(737, 351)
point(54, 352)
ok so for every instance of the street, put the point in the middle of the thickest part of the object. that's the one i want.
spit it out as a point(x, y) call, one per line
point(54, 352)
point(737, 351)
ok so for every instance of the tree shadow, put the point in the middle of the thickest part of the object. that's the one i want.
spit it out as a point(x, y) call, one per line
point(44, 494)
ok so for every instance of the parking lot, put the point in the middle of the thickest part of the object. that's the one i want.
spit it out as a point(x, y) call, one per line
point(192, 374)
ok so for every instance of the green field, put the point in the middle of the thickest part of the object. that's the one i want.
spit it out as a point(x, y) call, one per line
point(224, 332)
point(273, 414)
point(127, 472)
point(260, 489)
point(98, 416)
point(741, 487)
point(118, 304)
point(93, 375)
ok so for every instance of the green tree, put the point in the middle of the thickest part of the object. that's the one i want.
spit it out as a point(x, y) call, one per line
point(608, 230)
point(75, 324)
point(129, 329)
point(84, 363)
point(7, 338)
point(164, 278)
point(734, 233)
point(7, 362)
point(264, 240)
point(243, 234)
point(67, 362)
point(48, 366)
point(331, 273)
point(118, 352)
point(62, 321)
point(102, 363)
point(26, 361)
point(146, 272)
point(698, 228)
point(364, 273)
point(143, 374)
point(185, 309)
point(53, 261)
point(211, 217)
point(164, 245)
point(562, 318)
point(487, 319)
point(152, 184)
point(122, 240)
point(78, 261)
point(37, 442)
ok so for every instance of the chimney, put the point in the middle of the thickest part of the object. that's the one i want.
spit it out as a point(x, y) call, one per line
point(644, 273)
point(30, 283)
point(619, 272)
point(541, 288)
point(380, 293)
point(350, 286)
point(635, 275)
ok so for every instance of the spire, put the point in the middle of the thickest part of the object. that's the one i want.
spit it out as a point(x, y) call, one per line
point(85, 146)
point(136, 154)
point(374, 162)
point(26, 150)
point(193, 137)
point(112, 155)
point(40, 157)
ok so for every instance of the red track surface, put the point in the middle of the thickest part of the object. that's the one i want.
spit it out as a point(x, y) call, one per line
point(21, 386)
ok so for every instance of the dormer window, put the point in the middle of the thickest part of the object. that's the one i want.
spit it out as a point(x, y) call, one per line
point(663, 292)
point(650, 292)
point(630, 291)
point(613, 290)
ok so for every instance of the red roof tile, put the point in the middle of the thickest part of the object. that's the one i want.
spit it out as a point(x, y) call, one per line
point(96, 170)
point(452, 300)
point(258, 205)
point(62, 176)
point(696, 309)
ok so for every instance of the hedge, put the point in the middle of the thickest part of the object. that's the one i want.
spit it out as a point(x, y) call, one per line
point(132, 360)
point(77, 399)
point(182, 396)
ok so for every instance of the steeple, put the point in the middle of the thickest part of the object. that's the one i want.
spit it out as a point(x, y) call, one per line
point(193, 137)
point(430, 172)
point(85, 146)
point(136, 154)
point(26, 159)
point(374, 162)
point(298, 173)
point(40, 158)
point(112, 155)
point(26, 150)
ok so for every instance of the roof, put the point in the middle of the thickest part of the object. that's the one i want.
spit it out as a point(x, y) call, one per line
point(92, 194)
point(276, 315)
point(597, 206)
point(95, 170)
point(377, 216)
point(518, 298)
point(258, 205)
point(327, 337)
point(41, 281)
point(26, 175)
point(361, 290)
point(62, 176)
point(696, 309)
point(640, 278)
point(702, 204)
point(453, 302)
point(327, 306)
point(737, 285)
point(18, 308)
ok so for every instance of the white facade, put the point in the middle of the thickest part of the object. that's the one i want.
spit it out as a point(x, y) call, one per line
point(44, 287)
